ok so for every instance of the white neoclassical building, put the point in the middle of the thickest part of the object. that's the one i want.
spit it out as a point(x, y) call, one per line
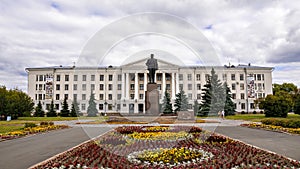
point(122, 89)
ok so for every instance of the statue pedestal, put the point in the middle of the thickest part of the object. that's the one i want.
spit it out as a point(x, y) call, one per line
point(152, 99)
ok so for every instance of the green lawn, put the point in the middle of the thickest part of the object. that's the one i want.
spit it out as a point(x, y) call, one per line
point(258, 117)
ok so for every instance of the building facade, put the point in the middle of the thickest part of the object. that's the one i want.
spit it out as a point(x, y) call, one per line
point(122, 89)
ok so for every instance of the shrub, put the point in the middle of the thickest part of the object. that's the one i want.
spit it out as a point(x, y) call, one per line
point(282, 122)
point(30, 125)
point(243, 112)
point(254, 112)
point(46, 123)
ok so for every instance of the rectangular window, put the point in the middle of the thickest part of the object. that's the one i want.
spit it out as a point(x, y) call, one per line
point(118, 106)
point(109, 96)
point(66, 96)
point(207, 76)
point(36, 86)
point(92, 77)
point(233, 95)
point(141, 96)
point(168, 77)
point(242, 96)
point(41, 78)
point(131, 86)
point(57, 97)
point(75, 77)
point(110, 86)
point(83, 96)
point(66, 78)
point(243, 106)
point(66, 87)
point(141, 77)
point(263, 76)
point(74, 86)
point(93, 87)
point(119, 96)
point(141, 86)
point(198, 77)
point(190, 86)
point(101, 87)
point(131, 96)
point(158, 77)
point(40, 96)
point(189, 77)
point(119, 86)
point(110, 77)
point(101, 78)
point(233, 86)
point(168, 86)
point(198, 96)
point(252, 106)
point(241, 77)
point(190, 96)
point(180, 86)
point(242, 87)
point(180, 77)
point(109, 106)
point(37, 78)
point(159, 87)
point(100, 96)
point(75, 96)
point(40, 87)
point(57, 77)
point(224, 77)
point(83, 106)
point(57, 87)
point(119, 77)
point(232, 76)
point(100, 106)
point(258, 76)
point(83, 87)
point(198, 86)
point(83, 77)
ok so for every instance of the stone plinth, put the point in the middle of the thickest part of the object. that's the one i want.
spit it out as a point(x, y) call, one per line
point(152, 99)
point(186, 115)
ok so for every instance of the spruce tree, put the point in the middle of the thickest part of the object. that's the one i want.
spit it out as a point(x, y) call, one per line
point(229, 105)
point(92, 110)
point(39, 112)
point(181, 102)
point(51, 112)
point(167, 106)
point(73, 111)
point(65, 109)
point(213, 98)
point(196, 107)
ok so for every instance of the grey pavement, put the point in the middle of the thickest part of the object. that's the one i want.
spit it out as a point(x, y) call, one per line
point(27, 151)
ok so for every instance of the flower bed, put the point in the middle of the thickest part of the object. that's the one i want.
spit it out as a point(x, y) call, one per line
point(272, 128)
point(201, 150)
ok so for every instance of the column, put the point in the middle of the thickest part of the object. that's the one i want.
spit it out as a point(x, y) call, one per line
point(123, 87)
point(177, 83)
point(173, 85)
point(136, 86)
point(163, 83)
point(126, 86)
point(145, 81)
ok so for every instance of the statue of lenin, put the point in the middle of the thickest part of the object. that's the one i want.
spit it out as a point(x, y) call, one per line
point(152, 67)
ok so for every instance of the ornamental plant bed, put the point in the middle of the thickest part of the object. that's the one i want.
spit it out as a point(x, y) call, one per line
point(272, 128)
point(179, 147)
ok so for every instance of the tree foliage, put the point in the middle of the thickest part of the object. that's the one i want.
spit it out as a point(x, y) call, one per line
point(276, 105)
point(297, 104)
point(51, 112)
point(181, 102)
point(196, 107)
point(65, 112)
point(92, 110)
point(287, 87)
point(75, 109)
point(39, 112)
point(213, 97)
point(229, 105)
point(166, 105)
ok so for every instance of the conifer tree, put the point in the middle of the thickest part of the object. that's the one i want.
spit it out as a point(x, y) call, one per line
point(229, 105)
point(73, 111)
point(51, 112)
point(181, 102)
point(65, 112)
point(167, 106)
point(39, 112)
point(196, 107)
point(92, 110)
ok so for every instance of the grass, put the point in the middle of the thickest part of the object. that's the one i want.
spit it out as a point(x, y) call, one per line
point(10, 128)
point(259, 117)
point(47, 118)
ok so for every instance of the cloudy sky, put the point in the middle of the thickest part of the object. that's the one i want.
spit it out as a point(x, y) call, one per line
point(51, 33)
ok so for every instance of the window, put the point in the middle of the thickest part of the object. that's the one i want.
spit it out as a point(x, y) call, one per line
point(180, 76)
point(66, 78)
point(180, 86)
point(83, 87)
point(57, 87)
point(159, 87)
point(57, 97)
point(109, 106)
point(66, 96)
point(100, 96)
point(119, 96)
point(233, 95)
point(259, 86)
point(198, 77)
point(131, 86)
point(66, 87)
point(168, 86)
point(258, 76)
point(57, 78)
point(168, 77)
point(232, 76)
point(83, 97)
point(40, 87)
point(75, 77)
point(83, 106)
point(110, 77)
point(75, 96)
point(190, 86)
point(109, 96)
point(119, 77)
point(252, 106)
point(243, 106)
point(263, 76)
point(110, 86)
point(36, 86)
point(92, 77)
point(83, 77)
point(141, 86)
point(37, 78)
point(56, 106)
point(101, 86)
point(242, 87)
point(190, 96)
point(131, 96)
point(189, 77)
point(141, 96)
point(198, 96)
point(100, 106)
point(190, 106)
point(198, 86)
point(41, 78)
point(233, 86)
point(92, 86)
point(207, 76)
point(118, 106)
point(101, 78)
point(141, 77)
point(158, 77)
point(40, 96)
point(241, 77)
point(224, 77)
point(74, 86)
point(242, 95)
point(119, 86)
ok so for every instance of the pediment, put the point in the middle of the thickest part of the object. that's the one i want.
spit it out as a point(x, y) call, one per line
point(141, 64)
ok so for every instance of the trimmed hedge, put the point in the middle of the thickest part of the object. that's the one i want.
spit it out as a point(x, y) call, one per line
point(287, 123)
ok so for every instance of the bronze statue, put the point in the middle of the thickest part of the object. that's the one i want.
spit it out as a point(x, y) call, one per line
point(152, 67)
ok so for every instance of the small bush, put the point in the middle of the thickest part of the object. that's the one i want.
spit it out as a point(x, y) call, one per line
point(30, 125)
point(243, 112)
point(282, 122)
point(254, 112)
point(46, 123)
